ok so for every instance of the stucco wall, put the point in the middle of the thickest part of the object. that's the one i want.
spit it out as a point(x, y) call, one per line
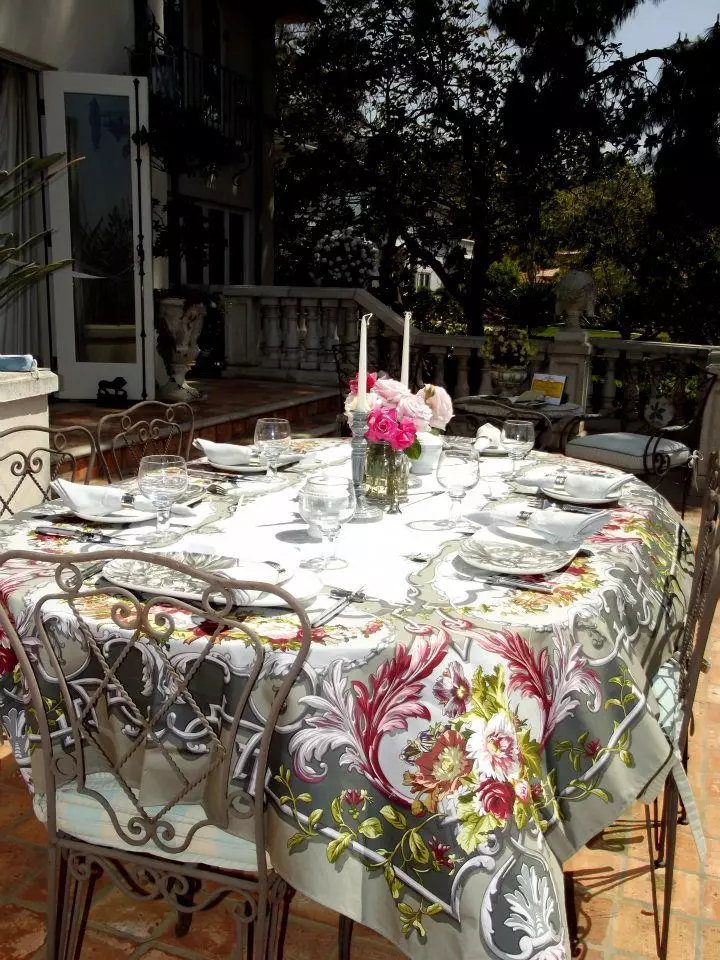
point(83, 36)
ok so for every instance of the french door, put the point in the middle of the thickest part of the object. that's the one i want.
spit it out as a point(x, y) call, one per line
point(100, 217)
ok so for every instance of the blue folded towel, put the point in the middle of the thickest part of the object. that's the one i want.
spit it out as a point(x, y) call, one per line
point(10, 363)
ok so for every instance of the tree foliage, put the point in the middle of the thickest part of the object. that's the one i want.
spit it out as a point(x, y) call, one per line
point(524, 129)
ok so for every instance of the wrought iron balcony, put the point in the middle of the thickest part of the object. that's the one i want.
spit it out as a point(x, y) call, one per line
point(217, 96)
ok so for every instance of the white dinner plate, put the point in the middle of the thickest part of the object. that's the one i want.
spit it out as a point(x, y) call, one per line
point(149, 577)
point(493, 451)
point(557, 493)
point(254, 466)
point(518, 559)
point(263, 549)
point(304, 586)
point(125, 515)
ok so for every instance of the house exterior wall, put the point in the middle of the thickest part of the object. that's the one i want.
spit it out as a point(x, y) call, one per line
point(82, 36)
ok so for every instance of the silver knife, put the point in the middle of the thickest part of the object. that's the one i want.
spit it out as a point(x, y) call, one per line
point(76, 533)
point(514, 584)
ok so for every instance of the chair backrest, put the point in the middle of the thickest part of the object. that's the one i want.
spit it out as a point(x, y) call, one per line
point(704, 595)
point(37, 456)
point(380, 359)
point(172, 701)
point(150, 427)
point(466, 421)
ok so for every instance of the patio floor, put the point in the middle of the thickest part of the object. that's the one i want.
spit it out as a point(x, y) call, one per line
point(612, 883)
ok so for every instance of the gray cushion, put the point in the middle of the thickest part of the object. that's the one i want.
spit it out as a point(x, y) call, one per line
point(625, 450)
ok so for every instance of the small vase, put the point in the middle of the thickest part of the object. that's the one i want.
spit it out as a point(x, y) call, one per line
point(431, 446)
point(386, 474)
point(508, 381)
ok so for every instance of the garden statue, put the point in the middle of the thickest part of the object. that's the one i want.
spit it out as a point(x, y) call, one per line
point(180, 325)
point(575, 298)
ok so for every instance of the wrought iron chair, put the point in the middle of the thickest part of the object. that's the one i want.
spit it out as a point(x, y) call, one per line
point(47, 453)
point(466, 421)
point(150, 427)
point(659, 448)
point(149, 751)
point(675, 687)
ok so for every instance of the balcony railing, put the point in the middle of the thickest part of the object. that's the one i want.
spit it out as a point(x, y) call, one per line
point(218, 96)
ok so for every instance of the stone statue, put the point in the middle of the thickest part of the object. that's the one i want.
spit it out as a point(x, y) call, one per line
point(182, 323)
point(575, 297)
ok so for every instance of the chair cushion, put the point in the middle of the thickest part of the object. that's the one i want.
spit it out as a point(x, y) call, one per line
point(625, 450)
point(666, 689)
point(84, 817)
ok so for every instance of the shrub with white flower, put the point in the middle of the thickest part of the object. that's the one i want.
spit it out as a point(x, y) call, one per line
point(344, 258)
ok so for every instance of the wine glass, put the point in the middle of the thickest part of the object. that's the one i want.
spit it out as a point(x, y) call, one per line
point(327, 503)
point(458, 471)
point(163, 480)
point(518, 438)
point(272, 438)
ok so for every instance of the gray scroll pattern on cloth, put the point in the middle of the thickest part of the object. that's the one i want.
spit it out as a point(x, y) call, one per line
point(436, 762)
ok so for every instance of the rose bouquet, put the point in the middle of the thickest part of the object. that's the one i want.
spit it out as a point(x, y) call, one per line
point(399, 417)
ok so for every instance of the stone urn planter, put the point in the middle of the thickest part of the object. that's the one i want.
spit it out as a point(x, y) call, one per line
point(181, 323)
point(508, 381)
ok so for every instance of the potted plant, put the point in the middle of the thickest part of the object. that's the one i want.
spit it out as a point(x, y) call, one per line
point(508, 350)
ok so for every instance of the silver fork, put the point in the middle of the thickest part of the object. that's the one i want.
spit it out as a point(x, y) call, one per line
point(324, 618)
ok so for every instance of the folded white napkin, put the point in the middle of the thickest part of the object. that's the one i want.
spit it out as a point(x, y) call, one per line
point(228, 454)
point(592, 486)
point(101, 501)
point(487, 435)
point(554, 526)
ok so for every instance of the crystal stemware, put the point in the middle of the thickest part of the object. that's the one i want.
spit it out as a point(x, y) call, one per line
point(162, 479)
point(518, 438)
point(272, 438)
point(458, 471)
point(327, 503)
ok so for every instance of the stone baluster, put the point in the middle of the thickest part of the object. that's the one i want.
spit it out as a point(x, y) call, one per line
point(438, 355)
point(486, 386)
point(710, 433)
point(348, 322)
point(631, 388)
point(270, 310)
point(291, 353)
point(330, 339)
point(311, 354)
point(609, 388)
point(394, 349)
point(462, 386)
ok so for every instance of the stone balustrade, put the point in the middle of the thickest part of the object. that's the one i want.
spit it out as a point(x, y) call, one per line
point(290, 333)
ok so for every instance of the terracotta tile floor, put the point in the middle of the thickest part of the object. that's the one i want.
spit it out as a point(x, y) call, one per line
point(612, 884)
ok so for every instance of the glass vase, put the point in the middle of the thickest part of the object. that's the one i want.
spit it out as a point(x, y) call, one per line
point(386, 474)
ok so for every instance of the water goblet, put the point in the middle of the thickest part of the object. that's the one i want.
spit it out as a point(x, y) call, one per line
point(458, 471)
point(162, 479)
point(327, 503)
point(518, 438)
point(272, 438)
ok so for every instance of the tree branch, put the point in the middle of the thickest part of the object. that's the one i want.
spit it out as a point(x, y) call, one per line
point(659, 53)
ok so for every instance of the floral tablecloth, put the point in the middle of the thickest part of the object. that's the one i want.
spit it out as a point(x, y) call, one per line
point(449, 743)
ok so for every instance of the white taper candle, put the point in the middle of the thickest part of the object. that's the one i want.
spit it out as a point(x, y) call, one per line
point(405, 366)
point(362, 364)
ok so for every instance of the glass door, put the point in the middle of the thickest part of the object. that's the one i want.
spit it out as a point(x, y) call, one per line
point(100, 217)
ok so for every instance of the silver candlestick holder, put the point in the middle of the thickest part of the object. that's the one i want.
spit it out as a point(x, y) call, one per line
point(364, 511)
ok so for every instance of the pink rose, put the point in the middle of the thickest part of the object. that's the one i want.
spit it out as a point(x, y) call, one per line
point(371, 378)
point(417, 410)
point(390, 391)
point(438, 399)
point(381, 425)
point(496, 797)
point(404, 435)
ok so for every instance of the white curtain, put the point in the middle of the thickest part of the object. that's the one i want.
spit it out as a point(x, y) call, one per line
point(20, 321)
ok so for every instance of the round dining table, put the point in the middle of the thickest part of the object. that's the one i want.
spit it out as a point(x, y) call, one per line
point(452, 739)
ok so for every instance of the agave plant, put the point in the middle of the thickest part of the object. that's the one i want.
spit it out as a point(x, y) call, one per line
point(18, 269)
